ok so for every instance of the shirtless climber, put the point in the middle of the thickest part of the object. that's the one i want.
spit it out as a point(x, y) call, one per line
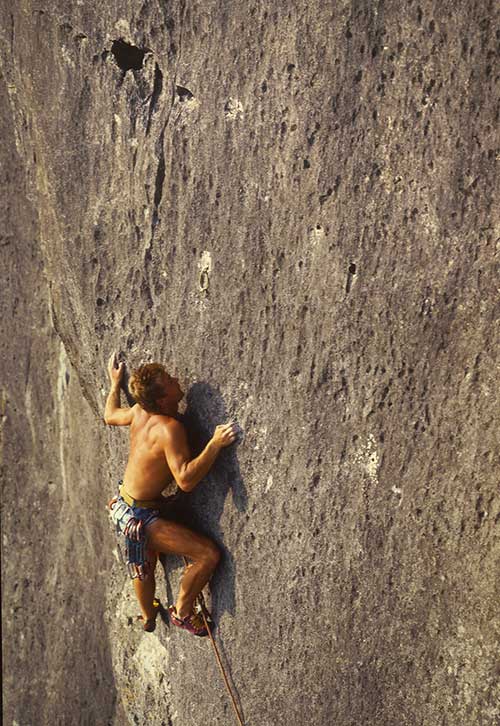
point(160, 459)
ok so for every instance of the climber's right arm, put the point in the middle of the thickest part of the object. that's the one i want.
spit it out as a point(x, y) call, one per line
point(114, 415)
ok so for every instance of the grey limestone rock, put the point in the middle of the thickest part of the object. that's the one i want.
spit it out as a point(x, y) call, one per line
point(292, 206)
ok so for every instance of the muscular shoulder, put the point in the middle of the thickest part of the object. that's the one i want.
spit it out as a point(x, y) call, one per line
point(121, 416)
point(169, 428)
point(135, 412)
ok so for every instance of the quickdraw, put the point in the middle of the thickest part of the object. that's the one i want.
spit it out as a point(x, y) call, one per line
point(134, 532)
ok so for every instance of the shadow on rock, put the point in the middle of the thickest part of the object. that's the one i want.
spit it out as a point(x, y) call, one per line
point(202, 509)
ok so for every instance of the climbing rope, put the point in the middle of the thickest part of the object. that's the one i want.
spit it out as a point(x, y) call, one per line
point(201, 601)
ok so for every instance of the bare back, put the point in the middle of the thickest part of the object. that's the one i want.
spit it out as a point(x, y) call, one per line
point(147, 474)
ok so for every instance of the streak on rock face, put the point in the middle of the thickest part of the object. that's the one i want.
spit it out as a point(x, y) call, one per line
point(367, 457)
point(205, 267)
point(291, 206)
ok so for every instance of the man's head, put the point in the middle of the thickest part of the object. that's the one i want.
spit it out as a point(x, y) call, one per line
point(154, 389)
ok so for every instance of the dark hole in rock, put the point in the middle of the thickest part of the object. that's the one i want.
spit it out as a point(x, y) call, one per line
point(352, 268)
point(183, 93)
point(325, 196)
point(307, 164)
point(127, 56)
point(99, 302)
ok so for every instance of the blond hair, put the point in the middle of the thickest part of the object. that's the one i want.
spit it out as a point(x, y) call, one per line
point(146, 385)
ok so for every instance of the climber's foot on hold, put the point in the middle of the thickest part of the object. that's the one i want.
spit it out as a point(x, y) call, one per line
point(149, 624)
point(192, 623)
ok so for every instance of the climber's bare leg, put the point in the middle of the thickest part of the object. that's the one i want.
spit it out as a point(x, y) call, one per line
point(145, 589)
point(166, 536)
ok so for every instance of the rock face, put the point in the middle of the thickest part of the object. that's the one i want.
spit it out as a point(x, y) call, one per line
point(291, 206)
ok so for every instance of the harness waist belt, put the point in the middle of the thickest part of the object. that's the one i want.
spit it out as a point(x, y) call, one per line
point(145, 503)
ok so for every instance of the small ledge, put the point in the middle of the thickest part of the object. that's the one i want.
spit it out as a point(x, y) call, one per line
point(183, 93)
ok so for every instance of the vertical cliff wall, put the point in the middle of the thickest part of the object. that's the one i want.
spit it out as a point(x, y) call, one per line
point(291, 205)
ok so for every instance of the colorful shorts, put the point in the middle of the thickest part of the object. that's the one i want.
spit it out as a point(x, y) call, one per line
point(131, 523)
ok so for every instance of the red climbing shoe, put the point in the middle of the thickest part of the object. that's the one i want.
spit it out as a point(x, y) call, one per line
point(193, 623)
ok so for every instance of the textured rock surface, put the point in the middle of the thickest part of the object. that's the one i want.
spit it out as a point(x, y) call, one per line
point(292, 206)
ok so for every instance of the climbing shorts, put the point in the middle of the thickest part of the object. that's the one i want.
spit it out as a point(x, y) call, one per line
point(131, 523)
point(131, 518)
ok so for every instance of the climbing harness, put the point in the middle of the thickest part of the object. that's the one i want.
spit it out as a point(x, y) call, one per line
point(200, 600)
